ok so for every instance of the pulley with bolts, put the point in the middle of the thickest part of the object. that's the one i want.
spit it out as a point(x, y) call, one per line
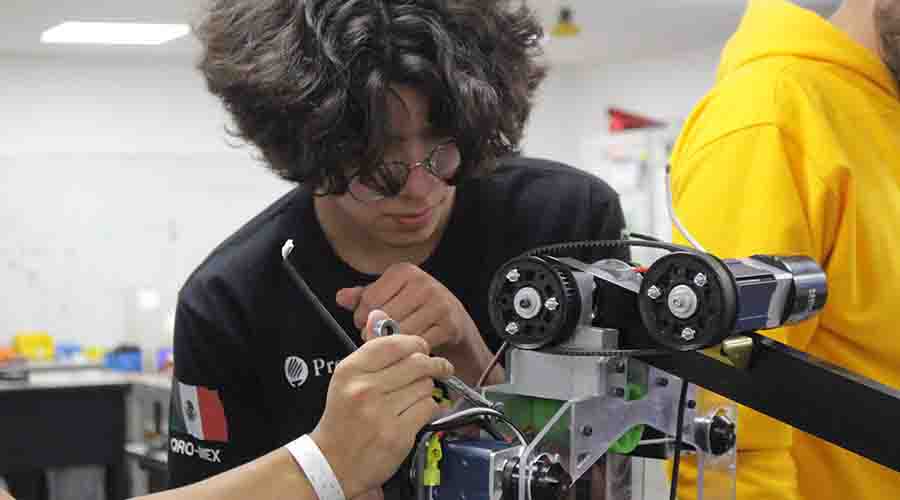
point(688, 301)
point(534, 302)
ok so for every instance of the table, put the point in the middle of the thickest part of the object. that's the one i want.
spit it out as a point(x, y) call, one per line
point(66, 418)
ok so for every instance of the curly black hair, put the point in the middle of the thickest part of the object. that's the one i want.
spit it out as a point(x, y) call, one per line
point(307, 81)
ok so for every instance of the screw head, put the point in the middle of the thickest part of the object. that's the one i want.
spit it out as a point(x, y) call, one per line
point(691, 404)
point(700, 280)
point(551, 304)
point(512, 328)
point(587, 430)
point(513, 275)
point(683, 302)
point(654, 292)
point(527, 302)
point(688, 334)
point(662, 381)
point(619, 392)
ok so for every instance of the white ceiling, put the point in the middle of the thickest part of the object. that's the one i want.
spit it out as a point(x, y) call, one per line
point(612, 30)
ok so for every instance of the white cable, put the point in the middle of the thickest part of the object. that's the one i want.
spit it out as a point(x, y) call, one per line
point(671, 206)
point(316, 468)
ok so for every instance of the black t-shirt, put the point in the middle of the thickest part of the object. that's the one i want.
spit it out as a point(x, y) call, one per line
point(253, 359)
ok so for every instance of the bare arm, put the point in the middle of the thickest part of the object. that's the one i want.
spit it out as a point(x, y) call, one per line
point(383, 391)
point(275, 475)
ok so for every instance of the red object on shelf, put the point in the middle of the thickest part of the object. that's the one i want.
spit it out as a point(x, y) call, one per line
point(620, 120)
point(7, 354)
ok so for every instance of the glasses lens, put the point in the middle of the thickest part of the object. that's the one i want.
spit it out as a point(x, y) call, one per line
point(388, 180)
point(362, 192)
point(446, 160)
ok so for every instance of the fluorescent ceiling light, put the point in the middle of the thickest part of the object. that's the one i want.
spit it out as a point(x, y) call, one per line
point(114, 33)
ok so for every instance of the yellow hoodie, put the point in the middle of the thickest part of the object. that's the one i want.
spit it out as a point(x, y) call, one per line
point(796, 150)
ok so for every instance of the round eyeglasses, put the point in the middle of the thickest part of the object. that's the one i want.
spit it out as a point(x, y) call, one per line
point(389, 178)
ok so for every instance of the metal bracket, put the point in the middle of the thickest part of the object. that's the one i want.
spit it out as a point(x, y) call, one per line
point(734, 351)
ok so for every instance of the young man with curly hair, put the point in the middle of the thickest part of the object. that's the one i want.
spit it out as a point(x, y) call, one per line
point(400, 122)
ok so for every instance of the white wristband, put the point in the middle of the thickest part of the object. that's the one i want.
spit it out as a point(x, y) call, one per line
point(316, 468)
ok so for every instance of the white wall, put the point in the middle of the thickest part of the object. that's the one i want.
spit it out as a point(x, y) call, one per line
point(113, 177)
point(570, 124)
point(571, 107)
point(116, 176)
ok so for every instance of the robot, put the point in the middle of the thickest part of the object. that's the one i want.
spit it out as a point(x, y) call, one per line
point(608, 361)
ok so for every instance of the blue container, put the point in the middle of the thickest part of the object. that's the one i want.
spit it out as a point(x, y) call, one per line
point(67, 351)
point(164, 358)
point(124, 361)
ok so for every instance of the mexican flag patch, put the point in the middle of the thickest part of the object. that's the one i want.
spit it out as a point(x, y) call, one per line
point(198, 411)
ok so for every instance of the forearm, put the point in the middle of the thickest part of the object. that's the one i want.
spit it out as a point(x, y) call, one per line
point(275, 475)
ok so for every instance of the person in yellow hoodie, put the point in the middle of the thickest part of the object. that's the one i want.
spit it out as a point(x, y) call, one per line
point(796, 150)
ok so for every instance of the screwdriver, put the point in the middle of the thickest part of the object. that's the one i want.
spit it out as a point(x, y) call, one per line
point(388, 326)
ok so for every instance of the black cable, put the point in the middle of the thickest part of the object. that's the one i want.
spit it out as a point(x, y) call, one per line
point(479, 420)
point(311, 297)
point(673, 492)
point(519, 434)
point(489, 427)
point(642, 236)
point(462, 417)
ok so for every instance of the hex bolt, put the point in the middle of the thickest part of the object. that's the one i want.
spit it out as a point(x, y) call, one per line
point(512, 328)
point(700, 280)
point(688, 334)
point(551, 304)
point(654, 292)
point(513, 275)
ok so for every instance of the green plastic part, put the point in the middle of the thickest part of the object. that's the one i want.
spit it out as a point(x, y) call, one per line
point(632, 437)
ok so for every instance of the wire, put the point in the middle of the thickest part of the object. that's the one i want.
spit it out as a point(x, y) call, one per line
point(673, 492)
point(311, 296)
point(479, 411)
point(455, 424)
point(468, 412)
point(519, 435)
point(488, 427)
point(491, 366)
point(671, 206)
point(641, 236)
point(479, 420)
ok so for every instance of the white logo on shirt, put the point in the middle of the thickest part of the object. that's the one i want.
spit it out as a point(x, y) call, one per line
point(296, 371)
point(189, 449)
